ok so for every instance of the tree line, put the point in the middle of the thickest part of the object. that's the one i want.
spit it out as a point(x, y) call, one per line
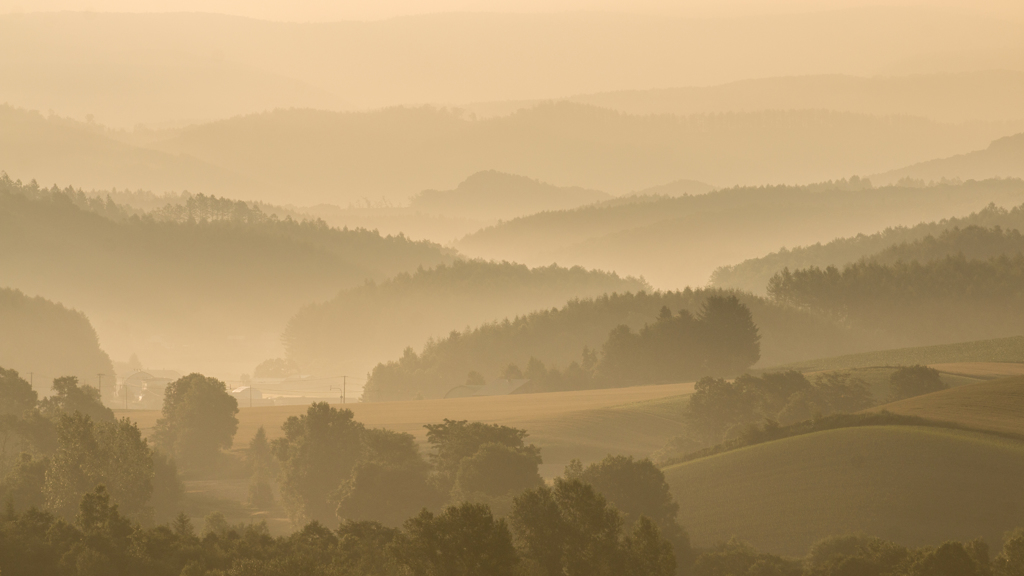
point(948, 299)
point(575, 336)
point(723, 414)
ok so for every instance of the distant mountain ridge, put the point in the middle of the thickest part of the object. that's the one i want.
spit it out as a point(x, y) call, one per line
point(492, 195)
point(1004, 158)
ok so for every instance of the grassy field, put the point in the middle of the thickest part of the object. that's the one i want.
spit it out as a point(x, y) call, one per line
point(1001, 350)
point(995, 405)
point(588, 424)
point(914, 485)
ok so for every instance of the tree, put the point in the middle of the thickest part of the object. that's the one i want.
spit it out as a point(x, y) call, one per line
point(259, 459)
point(107, 537)
point(198, 421)
point(638, 490)
point(454, 440)
point(730, 336)
point(16, 395)
point(647, 553)
point(109, 453)
point(910, 381)
point(317, 453)
point(496, 470)
point(570, 530)
point(464, 540)
point(389, 484)
point(69, 397)
point(76, 467)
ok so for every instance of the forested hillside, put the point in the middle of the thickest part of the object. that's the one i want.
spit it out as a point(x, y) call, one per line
point(209, 283)
point(557, 337)
point(378, 320)
point(913, 303)
point(674, 242)
point(46, 340)
point(753, 275)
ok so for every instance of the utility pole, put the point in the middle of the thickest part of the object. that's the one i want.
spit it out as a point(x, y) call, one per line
point(344, 383)
point(99, 385)
point(126, 395)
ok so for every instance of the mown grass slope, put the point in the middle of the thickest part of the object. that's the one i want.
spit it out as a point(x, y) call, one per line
point(997, 406)
point(914, 485)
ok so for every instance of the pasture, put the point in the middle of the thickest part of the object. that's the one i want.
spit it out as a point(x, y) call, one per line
point(914, 485)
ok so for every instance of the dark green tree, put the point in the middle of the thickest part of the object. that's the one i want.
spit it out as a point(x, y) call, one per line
point(646, 552)
point(197, 422)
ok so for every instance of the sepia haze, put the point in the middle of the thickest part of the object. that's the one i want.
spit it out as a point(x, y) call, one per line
point(460, 287)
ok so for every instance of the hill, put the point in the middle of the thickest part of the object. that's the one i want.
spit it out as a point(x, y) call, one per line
point(207, 285)
point(1004, 158)
point(882, 481)
point(679, 241)
point(752, 275)
point(999, 350)
point(997, 406)
point(359, 326)
point(492, 195)
point(44, 340)
point(187, 66)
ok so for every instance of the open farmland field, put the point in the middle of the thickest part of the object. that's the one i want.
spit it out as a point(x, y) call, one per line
point(997, 406)
point(587, 424)
point(992, 352)
point(914, 485)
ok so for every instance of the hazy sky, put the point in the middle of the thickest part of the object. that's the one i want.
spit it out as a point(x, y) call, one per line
point(325, 10)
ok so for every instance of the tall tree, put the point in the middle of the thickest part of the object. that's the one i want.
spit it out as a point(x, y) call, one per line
point(198, 421)
point(317, 453)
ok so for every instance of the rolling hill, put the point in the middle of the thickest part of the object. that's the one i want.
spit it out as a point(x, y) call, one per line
point(1000, 350)
point(192, 292)
point(913, 485)
point(679, 241)
point(996, 406)
point(752, 275)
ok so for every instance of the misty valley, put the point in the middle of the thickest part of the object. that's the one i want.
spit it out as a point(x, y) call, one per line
point(523, 289)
